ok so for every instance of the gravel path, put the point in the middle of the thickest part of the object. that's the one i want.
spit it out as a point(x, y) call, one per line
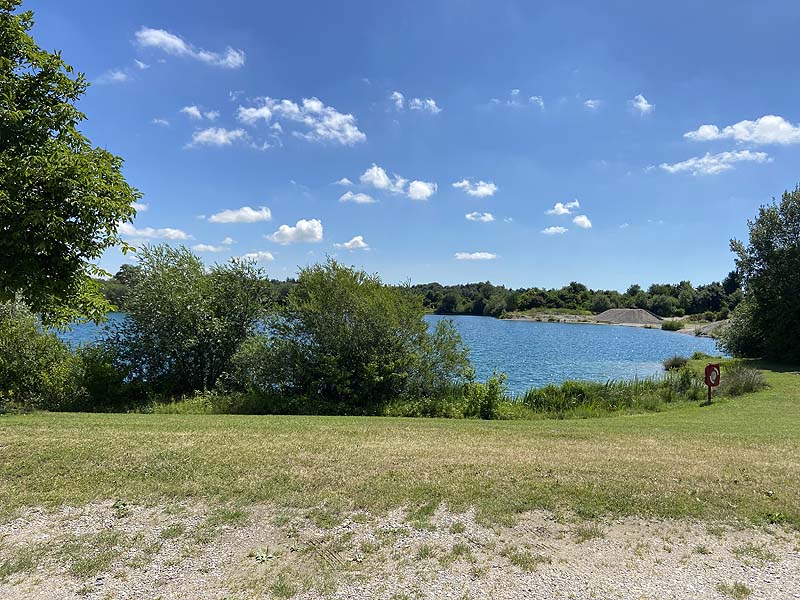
point(111, 550)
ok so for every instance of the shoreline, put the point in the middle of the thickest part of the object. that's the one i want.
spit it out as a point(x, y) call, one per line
point(699, 329)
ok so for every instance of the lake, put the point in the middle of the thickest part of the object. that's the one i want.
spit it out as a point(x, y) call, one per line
point(534, 354)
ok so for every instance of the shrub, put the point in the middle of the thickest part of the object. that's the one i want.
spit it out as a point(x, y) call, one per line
point(37, 370)
point(482, 400)
point(697, 355)
point(675, 362)
point(672, 325)
point(184, 323)
point(738, 379)
point(352, 344)
point(708, 315)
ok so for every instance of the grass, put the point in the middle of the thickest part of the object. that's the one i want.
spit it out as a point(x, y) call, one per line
point(738, 458)
point(736, 590)
point(524, 560)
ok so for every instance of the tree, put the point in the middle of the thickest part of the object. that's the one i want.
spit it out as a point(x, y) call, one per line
point(184, 323)
point(767, 321)
point(350, 343)
point(61, 200)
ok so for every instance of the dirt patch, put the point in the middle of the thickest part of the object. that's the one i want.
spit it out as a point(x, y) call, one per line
point(112, 550)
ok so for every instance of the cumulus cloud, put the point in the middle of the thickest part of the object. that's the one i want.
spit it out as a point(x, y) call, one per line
point(711, 164)
point(207, 248)
point(560, 208)
point(343, 181)
point(425, 105)
point(228, 241)
point(479, 189)
point(244, 214)
point(176, 46)
point(149, 233)
point(194, 112)
point(641, 104)
point(421, 190)
point(538, 100)
point(323, 123)
point(554, 230)
point(161, 122)
point(397, 99)
point(356, 243)
point(582, 221)
point(475, 256)
point(515, 100)
point(216, 136)
point(377, 177)
point(140, 206)
point(303, 231)
point(260, 256)
point(592, 104)
point(357, 198)
point(769, 129)
point(482, 217)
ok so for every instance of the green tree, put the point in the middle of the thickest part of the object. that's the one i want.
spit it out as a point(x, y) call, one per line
point(183, 323)
point(61, 200)
point(767, 322)
point(349, 342)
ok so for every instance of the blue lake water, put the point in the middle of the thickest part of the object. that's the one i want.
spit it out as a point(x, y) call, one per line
point(534, 354)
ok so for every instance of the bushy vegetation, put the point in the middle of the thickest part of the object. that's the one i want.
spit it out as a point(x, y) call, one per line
point(672, 325)
point(738, 379)
point(767, 323)
point(675, 362)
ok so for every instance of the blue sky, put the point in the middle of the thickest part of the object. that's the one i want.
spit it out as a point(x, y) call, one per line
point(668, 124)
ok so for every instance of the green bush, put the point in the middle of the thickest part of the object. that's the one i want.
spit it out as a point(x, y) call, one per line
point(482, 400)
point(37, 370)
point(737, 379)
point(709, 315)
point(672, 325)
point(184, 323)
point(675, 362)
point(348, 342)
point(697, 355)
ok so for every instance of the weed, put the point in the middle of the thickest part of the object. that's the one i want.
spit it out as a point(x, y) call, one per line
point(588, 531)
point(283, 587)
point(458, 527)
point(522, 559)
point(701, 549)
point(425, 551)
point(174, 531)
point(754, 551)
point(736, 590)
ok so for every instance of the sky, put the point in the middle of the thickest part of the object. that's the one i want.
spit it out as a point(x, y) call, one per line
point(523, 143)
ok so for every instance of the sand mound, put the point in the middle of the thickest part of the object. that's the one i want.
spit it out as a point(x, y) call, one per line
point(628, 316)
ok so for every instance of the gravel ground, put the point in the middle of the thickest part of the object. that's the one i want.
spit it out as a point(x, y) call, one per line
point(112, 550)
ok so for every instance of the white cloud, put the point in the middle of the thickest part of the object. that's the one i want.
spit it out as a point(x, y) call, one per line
point(343, 181)
point(475, 256)
point(324, 123)
point(303, 231)
point(149, 233)
point(192, 112)
point(482, 217)
point(538, 100)
point(421, 190)
point(514, 100)
point(711, 164)
point(624, 225)
point(582, 221)
point(260, 256)
point(559, 208)
point(140, 206)
point(113, 76)
point(641, 104)
point(425, 105)
point(207, 248)
point(217, 136)
point(242, 215)
point(398, 99)
point(212, 115)
point(554, 230)
point(357, 198)
point(234, 95)
point(592, 104)
point(140, 65)
point(480, 189)
point(769, 129)
point(228, 241)
point(357, 243)
point(162, 122)
point(376, 177)
point(177, 46)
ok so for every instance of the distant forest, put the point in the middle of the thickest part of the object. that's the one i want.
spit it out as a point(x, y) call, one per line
point(713, 301)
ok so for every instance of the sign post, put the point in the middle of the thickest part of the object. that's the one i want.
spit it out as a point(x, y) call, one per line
point(712, 378)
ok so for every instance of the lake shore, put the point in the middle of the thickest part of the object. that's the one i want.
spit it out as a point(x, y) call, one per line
point(698, 329)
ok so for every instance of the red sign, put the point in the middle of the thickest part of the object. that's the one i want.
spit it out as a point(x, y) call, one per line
point(712, 375)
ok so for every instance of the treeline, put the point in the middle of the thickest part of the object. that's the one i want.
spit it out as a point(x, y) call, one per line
point(714, 300)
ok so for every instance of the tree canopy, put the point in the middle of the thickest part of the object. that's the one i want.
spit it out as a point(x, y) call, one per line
point(767, 322)
point(61, 199)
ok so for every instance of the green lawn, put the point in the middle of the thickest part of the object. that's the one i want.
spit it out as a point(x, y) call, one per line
point(739, 458)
